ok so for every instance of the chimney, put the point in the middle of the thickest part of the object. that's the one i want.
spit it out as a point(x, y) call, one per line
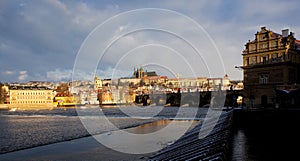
point(285, 33)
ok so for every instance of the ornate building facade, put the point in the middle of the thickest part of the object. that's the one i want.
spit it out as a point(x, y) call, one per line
point(270, 61)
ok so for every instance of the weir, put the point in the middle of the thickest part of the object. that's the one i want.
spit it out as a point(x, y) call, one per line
point(215, 146)
point(271, 135)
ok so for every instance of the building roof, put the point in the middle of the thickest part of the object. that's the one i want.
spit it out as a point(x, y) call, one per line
point(28, 88)
point(151, 73)
point(64, 94)
point(155, 77)
point(277, 35)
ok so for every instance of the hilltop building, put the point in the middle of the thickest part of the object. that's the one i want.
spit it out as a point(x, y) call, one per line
point(140, 73)
point(199, 84)
point(271, 63)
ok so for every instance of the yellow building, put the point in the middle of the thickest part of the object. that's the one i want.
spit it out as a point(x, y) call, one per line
point(4, 94)
point(64, 99)
point(270, 61)
point(97, 83)
point(30, 97)
point(107, 98)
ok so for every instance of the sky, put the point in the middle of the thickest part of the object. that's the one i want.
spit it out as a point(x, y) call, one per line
point(59, 40)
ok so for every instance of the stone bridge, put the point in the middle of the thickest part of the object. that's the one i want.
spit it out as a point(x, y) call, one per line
point(192, 99)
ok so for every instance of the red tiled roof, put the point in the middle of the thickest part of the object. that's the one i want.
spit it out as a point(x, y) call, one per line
point(63, 94)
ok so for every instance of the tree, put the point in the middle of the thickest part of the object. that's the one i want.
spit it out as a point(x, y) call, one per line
point(2, 95)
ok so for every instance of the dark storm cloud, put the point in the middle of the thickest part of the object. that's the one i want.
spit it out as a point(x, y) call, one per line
point(39, 40)
point(41, 36)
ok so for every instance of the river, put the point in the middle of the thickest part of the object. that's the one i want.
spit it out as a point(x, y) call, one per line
point(21, 131)
point(27, 129)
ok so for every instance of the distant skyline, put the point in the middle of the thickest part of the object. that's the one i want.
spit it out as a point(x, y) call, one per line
point(39, 40)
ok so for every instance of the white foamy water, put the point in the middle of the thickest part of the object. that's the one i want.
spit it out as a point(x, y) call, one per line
point(25, 129)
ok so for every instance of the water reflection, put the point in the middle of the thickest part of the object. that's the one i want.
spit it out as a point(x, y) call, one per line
point(146, 138)
point(265, 142)
point(240, 146)
point(157, 125)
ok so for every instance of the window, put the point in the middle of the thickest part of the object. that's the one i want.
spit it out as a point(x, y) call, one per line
point(265, 45)
point(254, 60)
point(264, 60)
point(282, 56)
point(263, 79)
point(262, 37)
point(253, 47)
point(274, 44)
point(274, 57)
point(247, 61)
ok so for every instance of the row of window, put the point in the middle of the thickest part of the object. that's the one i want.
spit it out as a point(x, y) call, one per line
point(264, 59)
point(30, 102)
point(33, 97)
point(34, 93)
point(274, 44)
point(262, 79)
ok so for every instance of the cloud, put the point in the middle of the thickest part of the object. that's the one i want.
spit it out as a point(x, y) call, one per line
point(19, 75)
point(47, 34)
point(22, 75)
point(9, 72)
point(59, 75)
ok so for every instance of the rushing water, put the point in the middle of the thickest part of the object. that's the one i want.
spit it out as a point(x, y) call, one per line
point(25, 129)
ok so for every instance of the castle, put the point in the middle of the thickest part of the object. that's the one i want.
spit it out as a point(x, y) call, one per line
point(140, 73)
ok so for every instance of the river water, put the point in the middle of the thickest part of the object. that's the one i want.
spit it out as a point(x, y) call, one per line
point(27, 129)
point(37, 128)
point(273, 137)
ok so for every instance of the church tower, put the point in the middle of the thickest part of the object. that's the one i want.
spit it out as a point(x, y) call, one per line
point(139, 73)
point(97, 83)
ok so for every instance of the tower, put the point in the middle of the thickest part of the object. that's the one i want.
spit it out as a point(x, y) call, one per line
point(97, 83)
point(139, 73)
